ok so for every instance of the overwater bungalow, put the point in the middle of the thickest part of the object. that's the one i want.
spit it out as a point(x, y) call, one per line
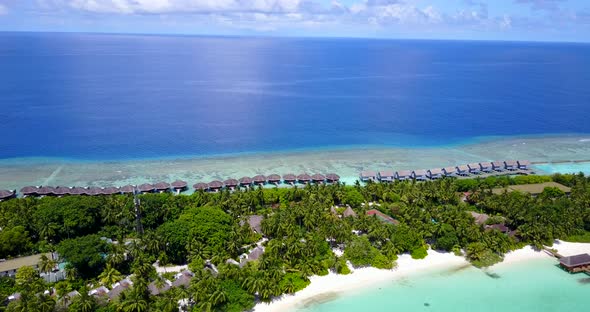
point(289, 178)
point(511, 165)
point(128, 189)
point(403, 175)
point(435, 173)
point(111, 190)
point(201, 186)
point(474, 168)
point(498, 165)
point(332, 177)
point(259, 179)
point(523, 164)
point(368, 175)
point(485, 166)
point(215, 185)
point(462, 170)
point(419, 175)
point(318, 178)
point(62, 190)
point(449, 171)
point(162, 186)
point(179, 185)
point(29, 190)
point(146, 188)
point(577, 263)
point(7, 194)
point(304, 178)
point(94, 191)
point(231, 183)
point(46, 191)
point(77, 190)
point(245, 181)
point(386, 176)
point(274, 179)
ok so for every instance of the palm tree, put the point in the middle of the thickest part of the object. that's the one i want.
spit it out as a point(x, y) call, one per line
point(84, 302)
point(134, 301)
point(45, 264)
point(109, 276)
point(71, 272)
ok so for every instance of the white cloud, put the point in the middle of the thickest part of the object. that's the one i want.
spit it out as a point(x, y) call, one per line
point(182, 6)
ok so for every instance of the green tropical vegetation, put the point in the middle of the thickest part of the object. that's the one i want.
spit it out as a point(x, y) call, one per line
point(102, 243)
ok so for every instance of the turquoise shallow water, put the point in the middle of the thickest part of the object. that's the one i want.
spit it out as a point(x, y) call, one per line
point(536, 285)
point(565, 168)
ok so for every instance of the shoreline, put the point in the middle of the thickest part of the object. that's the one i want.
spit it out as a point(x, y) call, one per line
point(332, 286)
point(347, 163)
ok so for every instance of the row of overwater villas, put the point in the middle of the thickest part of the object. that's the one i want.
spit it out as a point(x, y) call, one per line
point(177, 186)
point(437, 173)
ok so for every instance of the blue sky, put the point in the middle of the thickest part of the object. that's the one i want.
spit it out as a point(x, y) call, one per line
point(537, 20)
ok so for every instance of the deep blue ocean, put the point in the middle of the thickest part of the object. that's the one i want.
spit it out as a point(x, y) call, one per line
point(86, 96)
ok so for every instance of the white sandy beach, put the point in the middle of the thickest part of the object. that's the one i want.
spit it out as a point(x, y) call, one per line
point(327, 287)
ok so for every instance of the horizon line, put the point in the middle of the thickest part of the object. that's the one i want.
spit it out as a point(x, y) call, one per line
point(286, 36)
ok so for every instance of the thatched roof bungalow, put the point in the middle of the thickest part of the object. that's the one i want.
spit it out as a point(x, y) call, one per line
point(498, 165)
point(318, 178)
point(332, 177)
point(146, 188)
point(7, 194)
point(348, 212)
point(245, 181)
point(511, 165)
point(368, 175)
point(304, 178)
point(474, 168)
point(289, 178)
point(419, 175)
point(449, 171)
point(179, 185)
point(29, 190)
point(523, 164)
point(61, 191)
point(575, 263)
point(215, 185)
point(201, 186)
point(94, 191)
point(183, 279)
point(46, 191)
point(231, 183)
point(77, 190)
point(435, 173)
point(486, 166)
point(383, 217)
point(111, 190)
point(119, 287)
point(156, 290)
point(255, 222)
point(162, 186)
point(274, 178)
point(403, 175)
point(386, 176)
point(127, 189)
point(480, 218)
point(259, 179)
point(462, 170)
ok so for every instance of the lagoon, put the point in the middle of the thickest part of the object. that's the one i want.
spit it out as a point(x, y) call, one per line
point(528, 286)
